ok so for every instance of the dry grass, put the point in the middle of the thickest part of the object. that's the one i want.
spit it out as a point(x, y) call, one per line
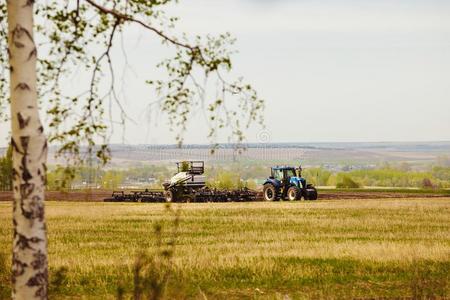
point(323, 249)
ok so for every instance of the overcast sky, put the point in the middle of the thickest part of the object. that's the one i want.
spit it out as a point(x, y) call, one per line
point(342, 70)
point(329, 70)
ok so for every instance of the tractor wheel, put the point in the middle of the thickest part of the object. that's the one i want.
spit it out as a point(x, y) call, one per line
point(170, 196)
point(294, 193)
point(269, 192)
point(311, 194)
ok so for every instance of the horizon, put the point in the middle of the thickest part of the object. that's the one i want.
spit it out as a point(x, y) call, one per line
point(415, 145)
point(274, 143)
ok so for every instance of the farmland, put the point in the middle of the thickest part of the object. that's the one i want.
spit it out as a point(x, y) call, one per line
point(326, 249)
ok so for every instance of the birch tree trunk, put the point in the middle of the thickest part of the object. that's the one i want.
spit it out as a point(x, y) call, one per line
point(29, 262)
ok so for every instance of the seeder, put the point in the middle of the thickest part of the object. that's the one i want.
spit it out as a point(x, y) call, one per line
point(188, 185)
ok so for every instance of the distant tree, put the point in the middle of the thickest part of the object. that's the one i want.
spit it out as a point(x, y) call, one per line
point(68, 31)
point(317, 176)
point(250, 184)
point(61, 179)
point(225, 180)
point(6, 171)
point(112, 179)
point(427, 183)
point(441, 173)
point(347, 182)
point(184, 166)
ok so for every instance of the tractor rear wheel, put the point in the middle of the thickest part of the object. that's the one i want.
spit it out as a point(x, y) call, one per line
point(269, 192)
point(311, 193)
point(294, 193)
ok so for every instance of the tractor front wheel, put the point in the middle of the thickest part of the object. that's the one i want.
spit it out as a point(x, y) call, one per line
point(294, 193)
point(269, 192)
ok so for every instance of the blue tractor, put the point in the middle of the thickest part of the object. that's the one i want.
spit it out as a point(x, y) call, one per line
point(288, 183)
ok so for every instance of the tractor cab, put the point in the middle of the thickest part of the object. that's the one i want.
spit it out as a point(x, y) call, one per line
point(282, 176)
point(286, 182)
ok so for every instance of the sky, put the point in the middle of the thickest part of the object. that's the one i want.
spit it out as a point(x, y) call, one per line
point(329, 71)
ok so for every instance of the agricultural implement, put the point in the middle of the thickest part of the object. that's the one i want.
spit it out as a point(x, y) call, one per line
point(136, 196)
point(188, 185)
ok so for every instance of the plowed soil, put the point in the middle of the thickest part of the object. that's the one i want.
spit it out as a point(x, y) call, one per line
point(99, 195)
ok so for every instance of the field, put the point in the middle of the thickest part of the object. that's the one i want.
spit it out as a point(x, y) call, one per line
point(326, 249)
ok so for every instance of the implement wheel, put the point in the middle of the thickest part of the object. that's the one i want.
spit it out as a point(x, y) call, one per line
point(269, 192)
point(294, 193)
point(170, 196)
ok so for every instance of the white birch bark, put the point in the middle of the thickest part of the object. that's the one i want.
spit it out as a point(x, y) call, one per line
point(29, 263)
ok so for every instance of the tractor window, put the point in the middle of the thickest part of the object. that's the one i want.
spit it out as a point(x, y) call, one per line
point(278, 174)
point(290, 173)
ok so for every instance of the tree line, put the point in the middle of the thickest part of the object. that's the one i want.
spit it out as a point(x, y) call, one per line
point(234, 176)
point(6, 171)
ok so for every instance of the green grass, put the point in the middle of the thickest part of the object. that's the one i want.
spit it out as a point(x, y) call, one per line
point(324, 249)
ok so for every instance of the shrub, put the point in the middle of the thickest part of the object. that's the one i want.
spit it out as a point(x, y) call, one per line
point(225, 180)
point(317, 176)
point(184, 166)
point(112, 179)
point(427, 184)
point(347, 182)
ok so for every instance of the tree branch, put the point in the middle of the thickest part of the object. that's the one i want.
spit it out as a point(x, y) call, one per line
point(124, 17)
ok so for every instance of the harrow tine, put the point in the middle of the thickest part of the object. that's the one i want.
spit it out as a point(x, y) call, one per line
point(202, 195)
